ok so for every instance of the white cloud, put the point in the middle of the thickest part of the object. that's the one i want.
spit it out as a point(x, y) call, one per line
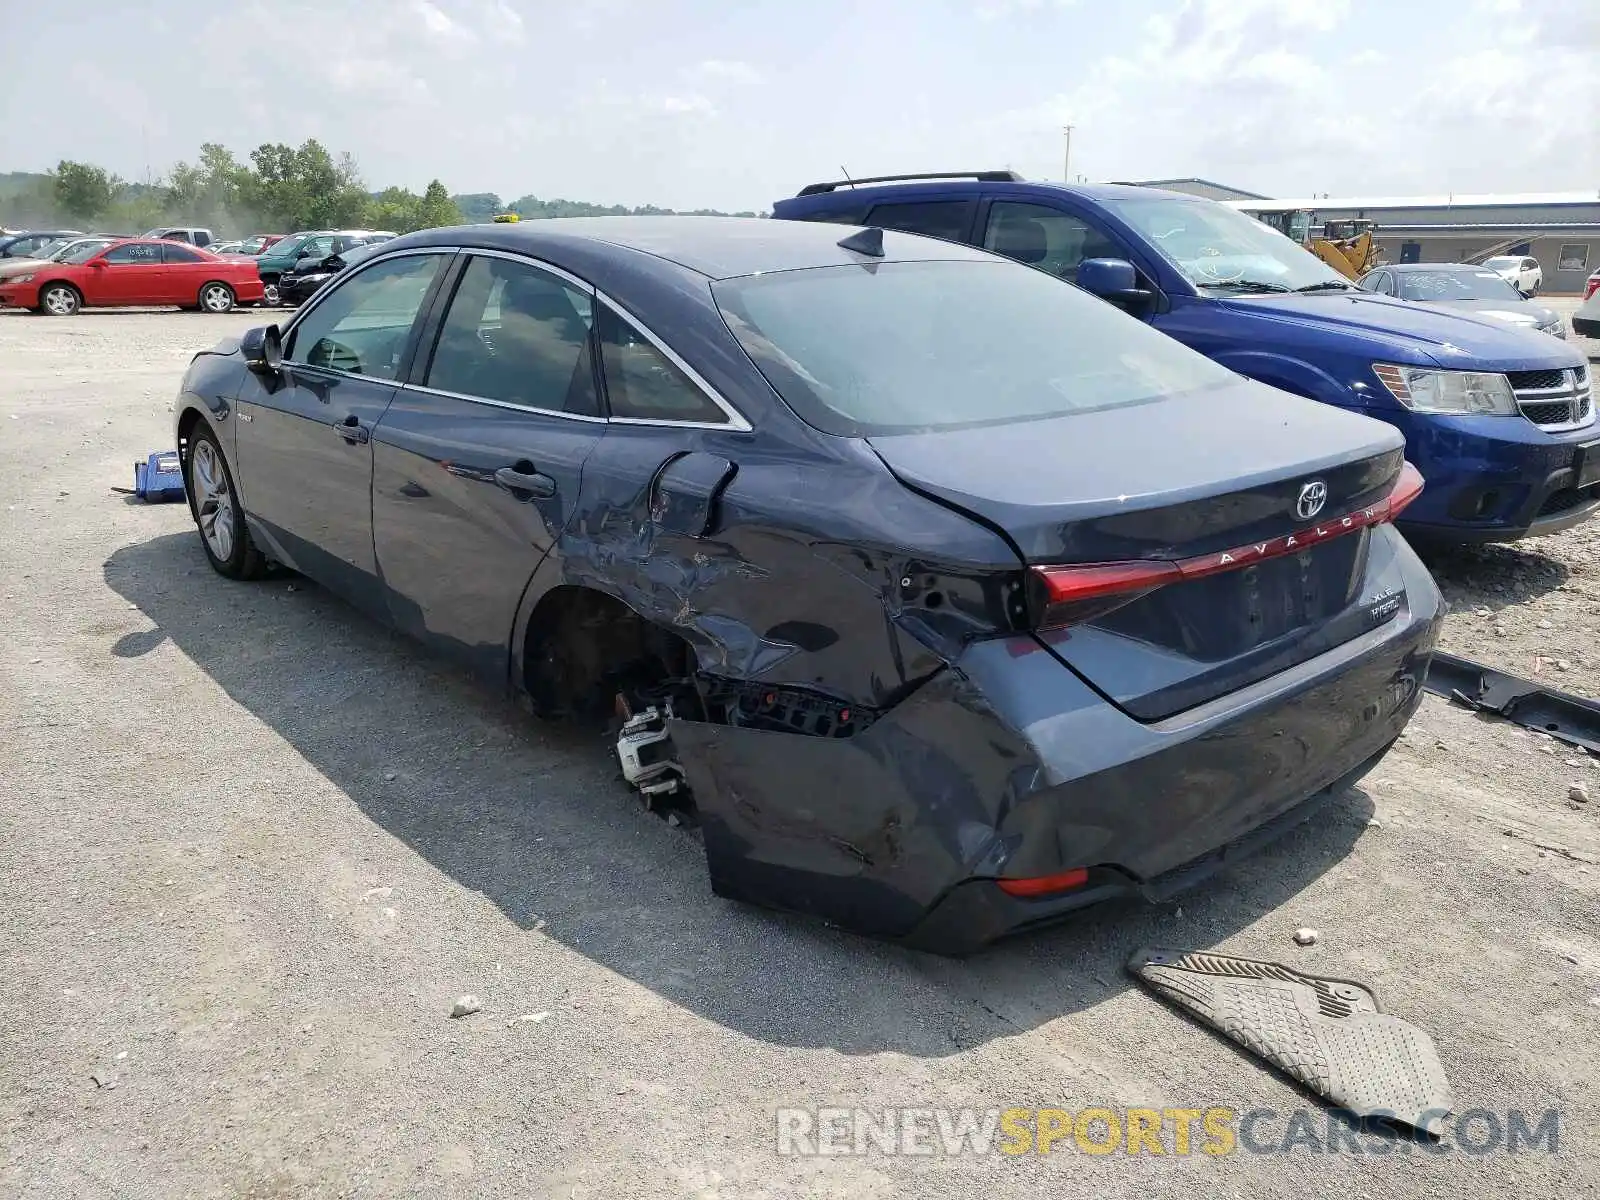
point(438, 24)
point(727, 71)
point(691, 105)
point(1247, 92)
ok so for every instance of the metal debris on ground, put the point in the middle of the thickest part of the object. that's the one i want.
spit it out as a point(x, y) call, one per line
point(1330, 1035)
point(1561, 715)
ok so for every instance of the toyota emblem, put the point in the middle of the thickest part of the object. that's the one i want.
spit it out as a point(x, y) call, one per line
point(1313, 496)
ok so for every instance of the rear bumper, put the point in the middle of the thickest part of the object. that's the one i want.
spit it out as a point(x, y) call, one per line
point(1009, 766)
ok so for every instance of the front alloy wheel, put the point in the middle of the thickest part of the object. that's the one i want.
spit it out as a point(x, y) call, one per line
point(216, 511)
point(269, 293)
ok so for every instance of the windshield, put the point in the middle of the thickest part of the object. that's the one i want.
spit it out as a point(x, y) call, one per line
point(1500, 264)
point(51, 248)
point(289, 246)
point(75, 253)
point(1454, 285)
point(1218, 249)
point(907, 347)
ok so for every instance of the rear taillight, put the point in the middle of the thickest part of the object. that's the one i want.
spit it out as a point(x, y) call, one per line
point(1592, 286)
point(1065, 595)
point(1045, 885)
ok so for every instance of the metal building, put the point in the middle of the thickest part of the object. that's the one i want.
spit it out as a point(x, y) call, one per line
point(1560, 229)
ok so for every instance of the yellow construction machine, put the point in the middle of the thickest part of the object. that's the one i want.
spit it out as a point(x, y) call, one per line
point(1346, 246)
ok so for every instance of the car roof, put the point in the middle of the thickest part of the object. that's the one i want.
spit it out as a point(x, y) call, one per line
point(716, 247)
point(845, 196)
point(1407, 268)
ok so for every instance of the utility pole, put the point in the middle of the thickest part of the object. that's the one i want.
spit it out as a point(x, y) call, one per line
point(1066, 155)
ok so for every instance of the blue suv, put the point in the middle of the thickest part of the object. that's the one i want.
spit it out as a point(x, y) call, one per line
point(1501, 421)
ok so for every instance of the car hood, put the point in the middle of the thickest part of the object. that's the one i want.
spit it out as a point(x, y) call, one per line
point(1513, 312)
point(1419, 333)
point(21, 266)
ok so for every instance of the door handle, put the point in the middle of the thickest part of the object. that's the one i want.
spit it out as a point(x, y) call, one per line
point(525, 484)
point(353, 431)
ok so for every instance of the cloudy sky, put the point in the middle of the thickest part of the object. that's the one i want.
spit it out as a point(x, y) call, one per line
point(693, 103)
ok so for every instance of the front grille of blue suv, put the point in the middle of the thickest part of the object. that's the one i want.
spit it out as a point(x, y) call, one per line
point(1501, 421)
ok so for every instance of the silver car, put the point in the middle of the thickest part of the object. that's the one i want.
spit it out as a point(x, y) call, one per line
point(1463, 288)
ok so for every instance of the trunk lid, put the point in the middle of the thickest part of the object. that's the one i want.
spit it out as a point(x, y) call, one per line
point(1177, 479)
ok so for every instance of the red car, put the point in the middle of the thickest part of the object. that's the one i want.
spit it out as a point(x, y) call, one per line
point(135, 271)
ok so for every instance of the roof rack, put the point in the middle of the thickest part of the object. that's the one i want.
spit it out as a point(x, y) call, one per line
point(817, 189)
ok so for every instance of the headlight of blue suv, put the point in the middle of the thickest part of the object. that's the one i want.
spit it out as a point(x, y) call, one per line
point(1469, 393)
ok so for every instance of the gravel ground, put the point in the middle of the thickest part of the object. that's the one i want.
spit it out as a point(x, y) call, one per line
point(252, 848)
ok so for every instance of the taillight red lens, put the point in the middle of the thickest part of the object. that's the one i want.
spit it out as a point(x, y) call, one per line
point(1045, 885)
point(1075, 592)
point(1592, 286)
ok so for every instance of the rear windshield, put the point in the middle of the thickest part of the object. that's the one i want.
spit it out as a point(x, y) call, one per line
point(906, 347)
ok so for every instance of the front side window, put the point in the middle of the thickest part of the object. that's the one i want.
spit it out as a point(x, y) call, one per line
point(644, 384)
point(906, 347)
point(945, 219)
point(1045, 237)
point(363, 326)
point(1219, 249)
point(517, 335)
point(136, 253)
point(81, 252)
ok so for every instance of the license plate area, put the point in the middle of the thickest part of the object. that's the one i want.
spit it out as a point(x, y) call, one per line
point(1586, 464)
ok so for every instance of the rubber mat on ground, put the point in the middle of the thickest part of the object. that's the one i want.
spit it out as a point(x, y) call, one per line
point(1328, 1034)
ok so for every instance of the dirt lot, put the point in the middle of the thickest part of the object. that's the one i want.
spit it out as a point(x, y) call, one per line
point(252, 847)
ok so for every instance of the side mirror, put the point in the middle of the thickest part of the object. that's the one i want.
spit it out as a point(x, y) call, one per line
point(333, 263)
point(1111, 279)
point(98, 264)
point(262, 349)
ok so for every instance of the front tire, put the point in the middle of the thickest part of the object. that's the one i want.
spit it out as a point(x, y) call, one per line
point(59, 300)
point(215, 504)
point(270, 296)
point(217, 298)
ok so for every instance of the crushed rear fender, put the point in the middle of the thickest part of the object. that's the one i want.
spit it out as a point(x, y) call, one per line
point(866, 832)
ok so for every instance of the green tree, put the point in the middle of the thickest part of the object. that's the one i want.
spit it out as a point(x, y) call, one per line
point(396, 208)
point(437, 208)
point(82, 190)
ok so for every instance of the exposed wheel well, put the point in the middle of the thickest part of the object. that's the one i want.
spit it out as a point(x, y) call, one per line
point(584, 648)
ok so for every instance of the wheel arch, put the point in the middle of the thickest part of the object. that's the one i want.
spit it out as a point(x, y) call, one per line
point(563, 628)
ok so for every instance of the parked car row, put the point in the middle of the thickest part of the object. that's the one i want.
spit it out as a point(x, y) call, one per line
point(93, 273)
point(306, 248)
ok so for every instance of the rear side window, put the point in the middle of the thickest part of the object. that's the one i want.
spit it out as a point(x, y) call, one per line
point(856, 215)
point(644, 384)
point(173, 252)
point(904, 347)
point(1045, 237)
point(139, 252)
point(519, 336)
point(947, 219)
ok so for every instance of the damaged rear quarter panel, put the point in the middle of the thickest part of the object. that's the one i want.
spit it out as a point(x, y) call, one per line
point(798, 577)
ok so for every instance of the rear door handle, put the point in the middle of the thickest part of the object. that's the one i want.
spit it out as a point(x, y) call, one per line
point(353, 431)
point(525, 484)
